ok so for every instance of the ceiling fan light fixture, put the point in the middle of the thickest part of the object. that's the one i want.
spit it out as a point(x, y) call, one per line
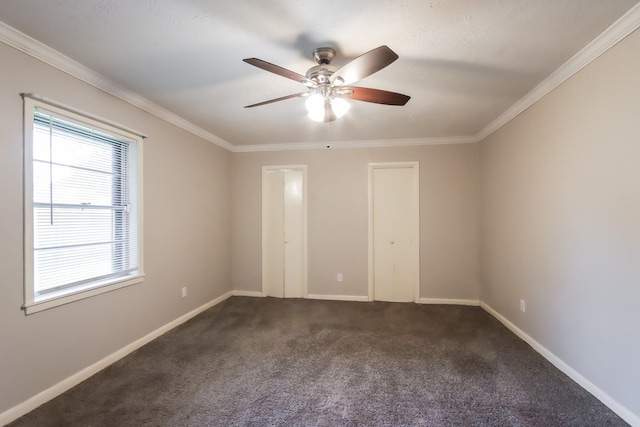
point(314, 102)
point(317, 115)
point(323, 108)
point(315, 105)
point(340, 106)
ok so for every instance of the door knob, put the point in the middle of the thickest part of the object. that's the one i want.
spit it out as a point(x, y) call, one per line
point(392, 241)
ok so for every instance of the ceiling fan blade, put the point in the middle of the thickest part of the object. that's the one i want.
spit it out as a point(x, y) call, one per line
point(374, 95)
point(272, 68)
point(295, 95)
point(365, 65)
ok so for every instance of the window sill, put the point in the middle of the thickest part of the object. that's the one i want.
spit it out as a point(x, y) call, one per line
point(79, 294)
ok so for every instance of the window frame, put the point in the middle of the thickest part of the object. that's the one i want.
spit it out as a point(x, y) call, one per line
point(32, 302)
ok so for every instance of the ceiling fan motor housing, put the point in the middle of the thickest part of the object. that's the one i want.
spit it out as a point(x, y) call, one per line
point(320, 73)
point(324, 55)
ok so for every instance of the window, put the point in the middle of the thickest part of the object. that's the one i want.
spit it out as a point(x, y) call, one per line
point(82, 206)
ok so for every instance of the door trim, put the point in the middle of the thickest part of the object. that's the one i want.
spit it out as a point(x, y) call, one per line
point(265, 171)
point(415, 165)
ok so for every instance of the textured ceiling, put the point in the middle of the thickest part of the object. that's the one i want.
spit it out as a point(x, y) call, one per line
point(463, 62)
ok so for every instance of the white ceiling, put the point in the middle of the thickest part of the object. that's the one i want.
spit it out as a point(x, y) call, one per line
point(463, 62)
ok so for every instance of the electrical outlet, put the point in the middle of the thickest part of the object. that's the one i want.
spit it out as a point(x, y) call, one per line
point(339, 277)
point(184, 292)
point(523, 306)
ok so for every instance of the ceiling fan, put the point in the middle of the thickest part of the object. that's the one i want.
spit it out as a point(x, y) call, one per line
point(328, 86)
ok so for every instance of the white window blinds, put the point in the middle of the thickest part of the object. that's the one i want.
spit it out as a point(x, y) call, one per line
point(85, 205)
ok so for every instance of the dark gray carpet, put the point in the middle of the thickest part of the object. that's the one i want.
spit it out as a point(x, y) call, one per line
point(265, 361)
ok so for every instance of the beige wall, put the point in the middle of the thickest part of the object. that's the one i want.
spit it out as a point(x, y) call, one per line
point(561, 221)
point(186, 221)
point(338, 215)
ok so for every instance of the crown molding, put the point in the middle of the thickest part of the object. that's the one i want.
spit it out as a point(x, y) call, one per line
point(620, 29)
point(624, 26)
point(355, 144)
point(52, 57)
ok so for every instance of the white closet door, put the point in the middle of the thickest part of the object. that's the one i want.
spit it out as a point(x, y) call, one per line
point(284, 232)
point(383, 236)
point(293, 235)
point(395, 232)
point(273, 234)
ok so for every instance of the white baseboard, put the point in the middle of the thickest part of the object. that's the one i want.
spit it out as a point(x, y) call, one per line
point(616, 407)
point(360, 298)
point(472, 302)
point(75, 379)
point(247, 294)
